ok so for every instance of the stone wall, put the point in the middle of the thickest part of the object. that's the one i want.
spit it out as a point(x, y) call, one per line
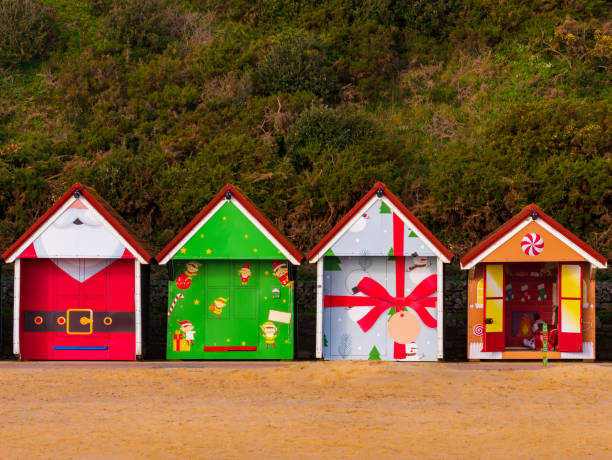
point(455, 319)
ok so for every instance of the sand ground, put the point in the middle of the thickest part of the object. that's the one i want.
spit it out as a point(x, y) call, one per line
point(305, 410)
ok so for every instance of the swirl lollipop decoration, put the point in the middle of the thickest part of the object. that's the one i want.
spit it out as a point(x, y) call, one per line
point(532, 244)
point(478, 330)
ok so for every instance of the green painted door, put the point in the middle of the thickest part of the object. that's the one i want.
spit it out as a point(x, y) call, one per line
point(230, 309)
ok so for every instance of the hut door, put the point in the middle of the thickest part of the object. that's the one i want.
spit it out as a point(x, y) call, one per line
point(494, 307)
point(570, 308)
point(80, 305)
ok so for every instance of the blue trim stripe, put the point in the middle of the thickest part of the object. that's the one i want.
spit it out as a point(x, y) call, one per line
point(79, 348)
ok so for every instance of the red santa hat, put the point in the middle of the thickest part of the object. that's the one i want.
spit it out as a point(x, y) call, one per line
point(185, 323)
point(278, 264)
point(246, 266)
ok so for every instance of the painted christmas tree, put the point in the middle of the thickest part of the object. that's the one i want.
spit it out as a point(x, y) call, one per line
point(331, 262)
point(384, 209)
point(374, 354)
point(325, 344)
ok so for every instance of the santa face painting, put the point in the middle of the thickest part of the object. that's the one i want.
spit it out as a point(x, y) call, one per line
point(79, 243)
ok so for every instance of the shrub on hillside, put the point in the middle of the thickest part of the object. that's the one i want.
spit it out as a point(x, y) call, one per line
point(147, 24)
point(299, 65)
point(28, 30)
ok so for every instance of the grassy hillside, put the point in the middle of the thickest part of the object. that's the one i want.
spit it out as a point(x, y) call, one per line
point(468, 110)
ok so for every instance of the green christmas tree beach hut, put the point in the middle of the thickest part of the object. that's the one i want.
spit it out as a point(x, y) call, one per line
point(230, 293)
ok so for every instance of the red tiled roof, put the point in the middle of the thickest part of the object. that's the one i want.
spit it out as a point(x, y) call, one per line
point(397, 203)
point(250, 207)
point(516, 220)
point(100, 205)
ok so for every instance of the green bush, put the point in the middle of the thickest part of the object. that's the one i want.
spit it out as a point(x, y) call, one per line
point(145, 24)
point(300, 65)
point(28, 30)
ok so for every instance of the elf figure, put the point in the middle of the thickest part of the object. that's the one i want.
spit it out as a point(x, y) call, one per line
point(245, 274)
point(217, 306)
point(280, 271)
point(509, 292)
point(541, 291)
point(187, 332)
point(270, 332)
point(183, 281)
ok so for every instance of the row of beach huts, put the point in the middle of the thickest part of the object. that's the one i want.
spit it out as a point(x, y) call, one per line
point(81, 284)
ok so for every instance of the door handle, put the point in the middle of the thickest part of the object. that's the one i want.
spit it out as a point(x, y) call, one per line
point(489, 321)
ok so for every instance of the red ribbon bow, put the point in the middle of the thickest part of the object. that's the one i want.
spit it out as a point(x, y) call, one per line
point(418, 300)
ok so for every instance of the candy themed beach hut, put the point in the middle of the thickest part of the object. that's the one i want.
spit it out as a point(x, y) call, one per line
point(531, 283)
point(80, 283)
point(230, 289)
point(379, 284)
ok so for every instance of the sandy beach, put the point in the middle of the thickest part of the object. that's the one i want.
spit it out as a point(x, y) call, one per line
point(305, 410)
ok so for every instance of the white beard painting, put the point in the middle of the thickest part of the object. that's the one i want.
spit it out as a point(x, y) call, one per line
point(75, 235)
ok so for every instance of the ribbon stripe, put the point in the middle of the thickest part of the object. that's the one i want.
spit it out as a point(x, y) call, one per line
point(376, 296)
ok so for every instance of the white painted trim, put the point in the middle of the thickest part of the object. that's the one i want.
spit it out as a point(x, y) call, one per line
point(193, 231)
point(497, 244)
point(58, 213)
point(267, 234)
point(571, 244)
point(319, 255)
point(16, 300)
point(356, 217)
point(410, 224)
point(40, 230)
point(521, 226)
point(440, 305)
point(319, 333)
point(110, 228)
point(138, 308)
point(247, 214)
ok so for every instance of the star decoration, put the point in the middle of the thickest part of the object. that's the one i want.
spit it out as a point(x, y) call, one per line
point(266, 273)
point(196, 302)
point(246, 236)
point(224, 218)
point(201, 236)
point(254, 249)
point(183, 250)
point(243, 343)
point(208, 251)
point(227, 340)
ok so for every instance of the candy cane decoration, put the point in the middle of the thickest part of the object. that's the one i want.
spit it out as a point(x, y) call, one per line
point(532, 244)
point(176, 298)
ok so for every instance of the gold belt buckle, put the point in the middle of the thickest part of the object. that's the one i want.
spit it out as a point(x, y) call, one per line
point(84, 320)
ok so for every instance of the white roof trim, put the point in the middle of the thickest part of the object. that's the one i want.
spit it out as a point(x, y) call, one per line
point(247, 214)
point(343, 230)
point(357, 215)
point(571, 244)
point(193, 231)
point(40, 230)
point(497, 244)
point(484, 254)
point(114, 232)
point(58, 213)
point(267, 234)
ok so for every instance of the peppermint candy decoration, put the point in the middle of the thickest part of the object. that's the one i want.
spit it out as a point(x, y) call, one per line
point(478, 330)
point(532, 244)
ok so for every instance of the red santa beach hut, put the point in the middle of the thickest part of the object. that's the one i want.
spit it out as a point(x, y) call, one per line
point(78, 283)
